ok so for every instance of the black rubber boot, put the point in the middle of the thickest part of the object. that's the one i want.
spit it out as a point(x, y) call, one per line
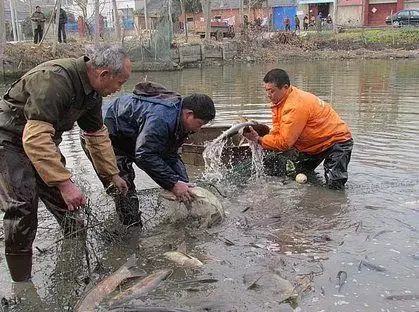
point(20, 267)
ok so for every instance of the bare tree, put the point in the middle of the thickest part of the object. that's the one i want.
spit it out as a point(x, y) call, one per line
point(82, 4)
point(206, 7)
point(253, 4)
point(117, 21)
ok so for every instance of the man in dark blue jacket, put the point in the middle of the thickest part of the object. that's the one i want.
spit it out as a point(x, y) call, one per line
point(147, 128)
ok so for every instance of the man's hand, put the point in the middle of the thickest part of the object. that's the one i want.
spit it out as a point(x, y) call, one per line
point(120, 184)
point(251, 135)
point(72, 195)
point(182, 191)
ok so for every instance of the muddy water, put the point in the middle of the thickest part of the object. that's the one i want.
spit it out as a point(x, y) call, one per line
point(304, 233)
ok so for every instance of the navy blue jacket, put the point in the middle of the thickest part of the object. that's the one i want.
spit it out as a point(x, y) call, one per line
point(148, 129)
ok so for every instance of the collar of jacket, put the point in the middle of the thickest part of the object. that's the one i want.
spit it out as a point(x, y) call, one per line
point(81, 65)
point(284, 98)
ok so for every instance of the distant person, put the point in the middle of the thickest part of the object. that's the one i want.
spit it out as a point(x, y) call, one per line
point(329, 21)
point(38, 21)
point(306, 22)
point(319, 21)
point(297, 23)
point(147, 128)
point(312, 21)
point(62, 20)
point(307, 128)
point(287, 23)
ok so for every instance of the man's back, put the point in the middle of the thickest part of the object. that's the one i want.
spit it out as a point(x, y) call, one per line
point(130, 119)
point(307, 122)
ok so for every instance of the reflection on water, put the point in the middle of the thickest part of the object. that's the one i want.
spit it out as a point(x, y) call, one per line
point(275, 226)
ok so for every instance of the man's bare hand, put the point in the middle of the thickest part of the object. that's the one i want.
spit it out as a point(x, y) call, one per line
point(182, 191)
point(251, 135)
point(120, 184)
point(72, 195)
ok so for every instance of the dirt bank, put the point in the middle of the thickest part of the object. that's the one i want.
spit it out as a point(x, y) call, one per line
point(349, 44)
point(253, 46)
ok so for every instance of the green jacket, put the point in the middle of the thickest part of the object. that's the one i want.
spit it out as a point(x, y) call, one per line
point(38, 19)
point(57, 92)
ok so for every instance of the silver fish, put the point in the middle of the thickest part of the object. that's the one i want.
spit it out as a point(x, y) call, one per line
point(96, 294)
point(142, 287)
point(403, 297)
point(206, 207)
point(371, 266)
point(342, 277)
point(183, 259)
point(233, 130)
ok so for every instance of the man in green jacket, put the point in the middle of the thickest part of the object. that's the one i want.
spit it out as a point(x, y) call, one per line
point(34, 112)
point(38, 21)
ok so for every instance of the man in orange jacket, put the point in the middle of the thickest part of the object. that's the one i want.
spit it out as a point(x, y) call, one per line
point(308, 126)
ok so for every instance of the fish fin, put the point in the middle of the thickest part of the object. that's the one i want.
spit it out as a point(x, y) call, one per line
point(131, 262)
point(182, 247)
point(242, 118)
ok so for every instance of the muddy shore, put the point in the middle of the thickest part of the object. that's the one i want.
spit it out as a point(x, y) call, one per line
point(250, 46)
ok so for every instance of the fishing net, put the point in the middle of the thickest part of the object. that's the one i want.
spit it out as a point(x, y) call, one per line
point(153, 44)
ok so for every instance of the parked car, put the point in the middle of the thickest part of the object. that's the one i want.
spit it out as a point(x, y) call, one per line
point(403, 18)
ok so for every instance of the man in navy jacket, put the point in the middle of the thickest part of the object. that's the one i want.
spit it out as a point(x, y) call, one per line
point(147, 128)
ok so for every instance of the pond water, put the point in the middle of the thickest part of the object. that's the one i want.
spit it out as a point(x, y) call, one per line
point(274, 227)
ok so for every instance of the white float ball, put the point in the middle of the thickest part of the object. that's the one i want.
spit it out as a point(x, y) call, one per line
point(301, 178)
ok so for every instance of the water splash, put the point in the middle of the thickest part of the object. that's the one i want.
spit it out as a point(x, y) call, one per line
point(214, 167)
point(221, 165)
point(257, 160)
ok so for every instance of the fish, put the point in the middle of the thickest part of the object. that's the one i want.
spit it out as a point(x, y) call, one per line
point(182, 258)
point(199, 281)
point(371, 266)
point(145, 309)
point(342, 277)
point(281, 288)
point(403, 297)
point(206, 207)
point(101, 290)
point(142, 287)
point(234, 129)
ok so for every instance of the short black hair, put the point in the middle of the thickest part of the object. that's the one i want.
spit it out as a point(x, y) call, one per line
point(37, 7)
point(201, 105)
point(278, 77)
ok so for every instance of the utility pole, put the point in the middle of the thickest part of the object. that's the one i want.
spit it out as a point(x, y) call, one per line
point(57, 22)
point(207, 19)
point(57, 17)
point(2, 36)
point(96, 39)
point(169, 4)
point(335, 15)
point(242, 13)
point(185, 21)
point(145, 15)
point(13, 17)
point(117, 21)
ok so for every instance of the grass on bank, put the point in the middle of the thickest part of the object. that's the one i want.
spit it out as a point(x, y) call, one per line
point(406, 37)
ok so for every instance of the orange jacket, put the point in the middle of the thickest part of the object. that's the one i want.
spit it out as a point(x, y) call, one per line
point(303, 121)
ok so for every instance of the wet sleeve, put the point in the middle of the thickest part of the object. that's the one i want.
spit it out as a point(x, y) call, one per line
point(150, 152)
point(100, 149)
point(284, 136)
point(49, 92)
point(43, 153)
